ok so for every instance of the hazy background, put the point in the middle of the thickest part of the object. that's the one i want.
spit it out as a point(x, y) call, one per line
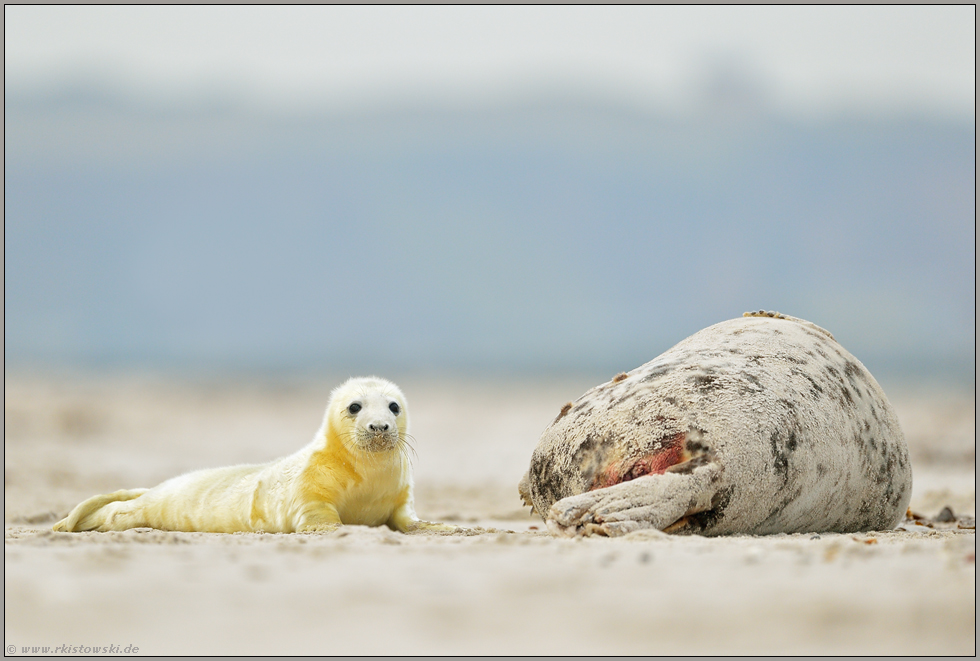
point(493, 190)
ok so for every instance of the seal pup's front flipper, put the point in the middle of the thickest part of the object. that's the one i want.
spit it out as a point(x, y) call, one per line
point(404, 519)
point(653, 501)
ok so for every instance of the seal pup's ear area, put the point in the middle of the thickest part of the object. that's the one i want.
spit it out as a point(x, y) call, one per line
point(651, 501)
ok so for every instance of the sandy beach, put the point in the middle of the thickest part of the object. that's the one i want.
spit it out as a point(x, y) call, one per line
point(506, 588)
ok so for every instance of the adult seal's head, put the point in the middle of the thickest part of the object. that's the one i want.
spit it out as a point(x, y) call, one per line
point(369, 415)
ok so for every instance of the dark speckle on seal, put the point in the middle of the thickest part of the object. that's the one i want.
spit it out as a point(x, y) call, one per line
point(564, 411)
point(757, 425)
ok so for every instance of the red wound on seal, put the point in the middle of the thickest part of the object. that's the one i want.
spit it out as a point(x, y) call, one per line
point(672, 452)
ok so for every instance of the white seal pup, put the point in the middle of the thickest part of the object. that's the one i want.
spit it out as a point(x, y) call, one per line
point(355, 471)
point(757, 425)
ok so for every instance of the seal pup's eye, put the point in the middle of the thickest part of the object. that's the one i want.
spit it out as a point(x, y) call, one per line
point(354, 408)
point(394, 408)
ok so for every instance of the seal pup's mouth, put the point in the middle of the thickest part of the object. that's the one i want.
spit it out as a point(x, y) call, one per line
point(377, 441)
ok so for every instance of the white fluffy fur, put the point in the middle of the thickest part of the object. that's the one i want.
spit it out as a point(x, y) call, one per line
point(348, 474)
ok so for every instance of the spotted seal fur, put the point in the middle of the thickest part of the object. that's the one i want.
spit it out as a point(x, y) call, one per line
point(757, 425)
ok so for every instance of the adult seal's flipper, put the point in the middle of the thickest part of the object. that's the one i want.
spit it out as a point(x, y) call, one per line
point(672, 502)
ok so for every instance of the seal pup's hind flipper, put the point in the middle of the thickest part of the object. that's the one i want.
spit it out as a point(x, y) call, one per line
point(89, 514)
point(662, 502)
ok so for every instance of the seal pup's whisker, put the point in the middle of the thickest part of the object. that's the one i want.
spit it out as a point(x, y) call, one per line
point(406, 446)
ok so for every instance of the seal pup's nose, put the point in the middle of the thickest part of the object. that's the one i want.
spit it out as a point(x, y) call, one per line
point(378, 426)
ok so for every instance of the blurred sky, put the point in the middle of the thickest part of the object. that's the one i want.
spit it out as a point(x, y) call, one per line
point(814, 59)
point(516, 188)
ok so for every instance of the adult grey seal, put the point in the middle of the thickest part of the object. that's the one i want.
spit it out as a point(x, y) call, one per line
point(757, 425)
